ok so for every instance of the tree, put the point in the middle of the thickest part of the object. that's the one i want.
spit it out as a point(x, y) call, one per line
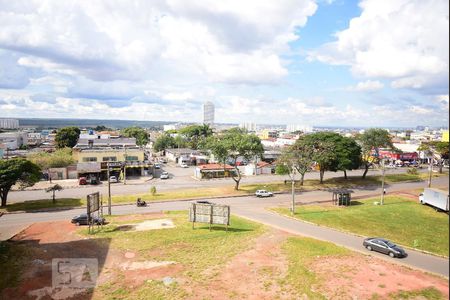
point(138, 133)
point(164, 142)
point(371, 141)
point(299, 156)
point(196, 134)
point(231, 145)
point(53, 189)
point(17, 170)
point(349, 154)
point(436, 150)
point(59, 159)
point(67, 137)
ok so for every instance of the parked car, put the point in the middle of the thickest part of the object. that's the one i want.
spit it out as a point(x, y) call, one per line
point(164, 175)
point(82, 181)
point(113, 179)
point(157, 166)
point(184, 165)
point(82, 219)
point(384, 246)
point(263, 193)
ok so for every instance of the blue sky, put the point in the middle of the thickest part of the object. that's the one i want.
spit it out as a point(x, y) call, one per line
point(343, 63)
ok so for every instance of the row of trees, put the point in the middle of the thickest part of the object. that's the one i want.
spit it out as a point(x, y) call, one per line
point(333, 152)
point(193, 136)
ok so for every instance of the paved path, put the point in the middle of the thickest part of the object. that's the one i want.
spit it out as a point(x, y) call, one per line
point(254, 208)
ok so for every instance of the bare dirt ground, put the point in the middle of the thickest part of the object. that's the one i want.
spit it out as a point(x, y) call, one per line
point(253, 274)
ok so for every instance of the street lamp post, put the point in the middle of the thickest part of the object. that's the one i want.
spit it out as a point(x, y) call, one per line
point(109, 188)
point(430, 171)
point(293, 191)
point(383, 170)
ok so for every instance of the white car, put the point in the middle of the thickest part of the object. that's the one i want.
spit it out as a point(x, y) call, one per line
point(164, 175)
point(421, 198)
point(184, 165)
point(263, 193)
point(113, 179)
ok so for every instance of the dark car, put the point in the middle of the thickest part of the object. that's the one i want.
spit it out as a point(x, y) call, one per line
point(384, 246)
point(83, 220)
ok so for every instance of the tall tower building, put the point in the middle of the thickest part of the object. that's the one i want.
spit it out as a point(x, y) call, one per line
point(208, 113)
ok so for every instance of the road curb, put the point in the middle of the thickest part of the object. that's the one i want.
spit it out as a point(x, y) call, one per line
point(356, 234)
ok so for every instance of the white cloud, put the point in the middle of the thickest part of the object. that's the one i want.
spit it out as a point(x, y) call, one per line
point(120, 40)
point(367, 86)
point(403, 40)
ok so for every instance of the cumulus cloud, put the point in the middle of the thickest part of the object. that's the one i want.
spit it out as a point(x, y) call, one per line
point(401, 40)
point(367, 86)
point(120, 40)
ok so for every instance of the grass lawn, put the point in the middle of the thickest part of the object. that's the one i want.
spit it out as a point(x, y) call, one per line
point(301, 251)
point(195, 249)
point(401, 220)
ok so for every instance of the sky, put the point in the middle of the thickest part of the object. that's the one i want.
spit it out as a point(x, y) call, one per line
point(367, 63)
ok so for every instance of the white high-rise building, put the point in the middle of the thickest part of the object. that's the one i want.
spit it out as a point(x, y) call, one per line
point(9, 123)
point(250, 126)
point(208, 113)
point(298, 127)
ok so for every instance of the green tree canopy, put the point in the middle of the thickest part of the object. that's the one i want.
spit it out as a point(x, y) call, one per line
point(17, 170)
point(138, 133)
point(67, 137)
point(164, 142)
point(232, 144)
point(371, 141)
point(59, 159)
point(53, 189)
point(196, 134)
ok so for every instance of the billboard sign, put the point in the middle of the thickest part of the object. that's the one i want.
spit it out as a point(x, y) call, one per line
point(205, 212)
point(93, 203)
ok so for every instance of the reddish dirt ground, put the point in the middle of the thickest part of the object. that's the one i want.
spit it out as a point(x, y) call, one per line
point(253, 274)
point(362, 276)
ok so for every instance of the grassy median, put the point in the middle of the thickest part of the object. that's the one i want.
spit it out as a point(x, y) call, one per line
point(401, 220)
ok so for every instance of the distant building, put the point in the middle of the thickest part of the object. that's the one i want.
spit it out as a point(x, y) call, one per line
point(14, 140)
point(445, 136)
point(9, 123)
point(297, 127)
point(208, 113)
point(249, 126)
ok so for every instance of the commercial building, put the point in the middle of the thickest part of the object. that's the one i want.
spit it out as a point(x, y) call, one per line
point(9, 123)
point(208, 113)
point(94, 155)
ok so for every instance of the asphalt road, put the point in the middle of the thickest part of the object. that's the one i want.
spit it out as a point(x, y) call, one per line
point(255, 209)
point(180, 178)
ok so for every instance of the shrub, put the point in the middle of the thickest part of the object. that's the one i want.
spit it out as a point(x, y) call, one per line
point(412, 171)
point(153, 190)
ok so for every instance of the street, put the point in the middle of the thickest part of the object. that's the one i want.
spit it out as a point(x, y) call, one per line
point(180, 178)
point(255, 209)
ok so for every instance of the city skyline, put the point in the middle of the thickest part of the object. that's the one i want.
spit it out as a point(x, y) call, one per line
point(313, 63)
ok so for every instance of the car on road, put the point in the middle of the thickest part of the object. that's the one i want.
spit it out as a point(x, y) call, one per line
point(82, 181)
point(184, 165)
point(164, 175)
point(263, 193)
point(82, 219)
point(113, 179)
point(384, 246)
point(157, 166)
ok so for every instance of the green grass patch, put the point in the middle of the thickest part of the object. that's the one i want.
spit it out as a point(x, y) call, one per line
point(196, 249)
point(300, 253)
point(13, 259)
point(429, 293)
point(401, 220)
point(44, 204)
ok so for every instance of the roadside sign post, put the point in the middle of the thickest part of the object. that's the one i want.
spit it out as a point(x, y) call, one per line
point(205, 212)
point(93, 205)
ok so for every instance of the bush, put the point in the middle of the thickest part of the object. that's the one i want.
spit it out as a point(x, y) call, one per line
point(153, 190)
point(412, 171)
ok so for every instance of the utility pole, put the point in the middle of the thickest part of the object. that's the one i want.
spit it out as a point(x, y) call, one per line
point(109, 189)
point(383, 170)
point(430, 171)
point(293, 191)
